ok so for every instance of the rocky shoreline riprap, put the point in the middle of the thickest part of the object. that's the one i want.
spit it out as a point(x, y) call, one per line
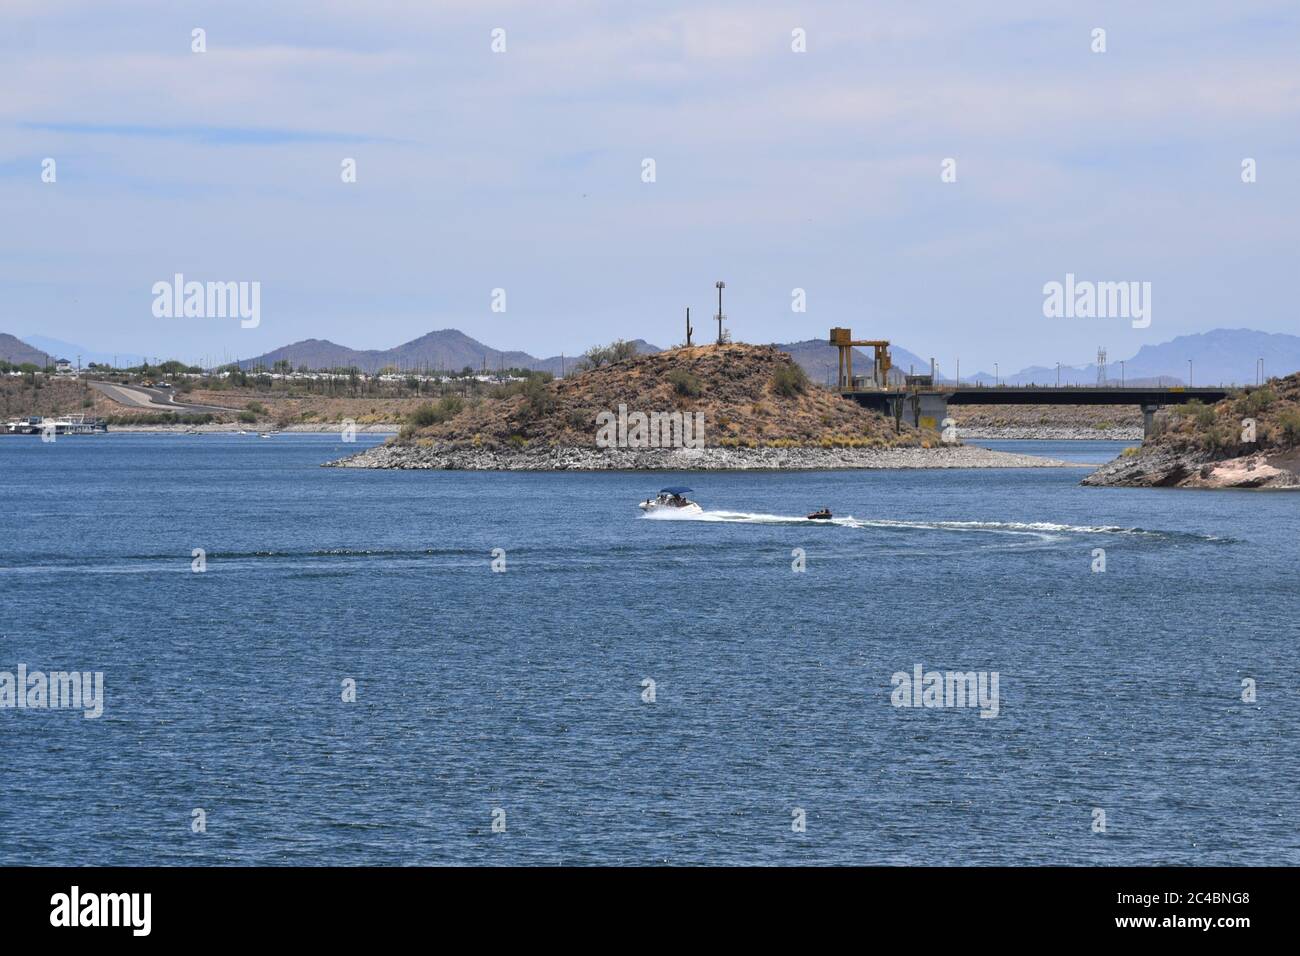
point(412, 456)
point(1181, 469)
point(1250, 439)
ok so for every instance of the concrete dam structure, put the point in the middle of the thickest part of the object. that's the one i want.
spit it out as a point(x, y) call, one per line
point(921, 403)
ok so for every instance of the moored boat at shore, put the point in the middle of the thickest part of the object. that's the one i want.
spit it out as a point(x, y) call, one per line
point(63, 425)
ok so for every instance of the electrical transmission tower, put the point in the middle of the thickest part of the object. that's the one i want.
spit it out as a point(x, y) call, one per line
point(1101, 367)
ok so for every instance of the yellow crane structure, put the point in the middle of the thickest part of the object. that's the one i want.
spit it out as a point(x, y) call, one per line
point(843, 339)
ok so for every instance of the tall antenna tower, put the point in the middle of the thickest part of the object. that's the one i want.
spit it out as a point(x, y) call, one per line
point(720, 285)
point(1101, 367)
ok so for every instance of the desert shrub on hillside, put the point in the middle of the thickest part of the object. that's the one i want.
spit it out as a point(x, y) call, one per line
point(538, 399)
point(1290, 424)
point(430, 414)
point(1256, 401)
point(1221, 439)
point(1196, 410)
point(601, 355)
point(790, 380)
point(685, 383)
point(580, 418)
point(449, 406)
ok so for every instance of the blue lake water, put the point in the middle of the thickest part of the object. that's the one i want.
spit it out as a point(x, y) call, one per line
point(1083, 452)
point(522, 691)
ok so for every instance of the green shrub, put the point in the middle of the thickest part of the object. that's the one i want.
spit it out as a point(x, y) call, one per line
point(1221, 438)
point(599, 355)
point(447, 408)
point(684, 383)
point(1259, 400)
point(1202, 414)
point(538, 400)
point(1290, 422)
point(247, 417)
point(790, 380)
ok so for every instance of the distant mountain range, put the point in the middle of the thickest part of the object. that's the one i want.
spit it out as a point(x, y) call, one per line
point(17, 351)
point(1227, 356)
point(446, 350)
point(58, 349)
point(1218, 357)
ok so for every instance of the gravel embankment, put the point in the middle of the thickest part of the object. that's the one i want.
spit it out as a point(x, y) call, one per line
point(707, 459)
point(1047, 433)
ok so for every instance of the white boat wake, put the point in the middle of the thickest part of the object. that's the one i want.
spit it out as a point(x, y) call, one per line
point(1043, 530)
point(748, 517)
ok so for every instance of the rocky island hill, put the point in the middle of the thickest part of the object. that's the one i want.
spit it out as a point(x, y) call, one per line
point(1249, 440)
point(701, 407)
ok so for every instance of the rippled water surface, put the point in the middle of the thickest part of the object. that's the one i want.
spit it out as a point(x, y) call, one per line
point(523, 690)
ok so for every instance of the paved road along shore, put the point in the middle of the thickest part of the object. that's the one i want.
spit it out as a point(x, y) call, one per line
point(154, 399)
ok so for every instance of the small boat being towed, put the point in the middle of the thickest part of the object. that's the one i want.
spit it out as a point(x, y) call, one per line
point(672, 501)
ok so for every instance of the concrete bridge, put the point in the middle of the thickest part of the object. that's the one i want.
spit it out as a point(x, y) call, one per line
point(928, 407)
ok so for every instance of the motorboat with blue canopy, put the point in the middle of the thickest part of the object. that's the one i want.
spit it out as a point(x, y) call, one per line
point(672, 500)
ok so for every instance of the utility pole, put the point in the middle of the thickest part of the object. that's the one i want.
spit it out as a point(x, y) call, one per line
point(957, 382)
point(1189, 373)
point(1121, 373)
point(1058, 374)
point(997, 376)
point(720, 285)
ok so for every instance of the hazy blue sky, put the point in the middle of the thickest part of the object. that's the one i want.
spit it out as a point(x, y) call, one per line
point(522, 170)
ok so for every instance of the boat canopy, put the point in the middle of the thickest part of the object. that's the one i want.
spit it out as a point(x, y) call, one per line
point(675, 490)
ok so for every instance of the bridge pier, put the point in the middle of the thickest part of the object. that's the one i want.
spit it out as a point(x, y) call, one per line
point(1148, 420)
point(920, 410)
point(929, 409)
